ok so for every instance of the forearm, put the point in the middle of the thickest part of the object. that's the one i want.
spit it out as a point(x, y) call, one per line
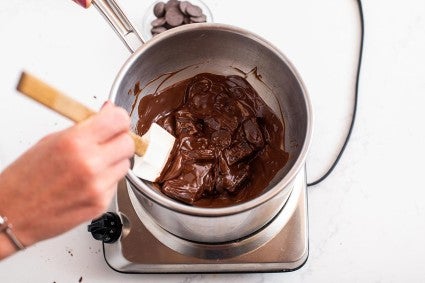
point(69, 177)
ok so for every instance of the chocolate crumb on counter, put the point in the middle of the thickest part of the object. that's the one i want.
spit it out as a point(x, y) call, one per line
point(175, 13)
point(69, 251)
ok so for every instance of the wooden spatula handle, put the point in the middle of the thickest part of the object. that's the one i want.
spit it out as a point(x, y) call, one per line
point(64, 105)
point(53, 98)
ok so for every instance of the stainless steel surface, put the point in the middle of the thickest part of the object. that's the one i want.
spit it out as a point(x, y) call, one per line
point(125, 30)
point(188, 50)
point(147, 248)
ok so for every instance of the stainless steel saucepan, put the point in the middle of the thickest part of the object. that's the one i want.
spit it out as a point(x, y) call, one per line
point(181, 53)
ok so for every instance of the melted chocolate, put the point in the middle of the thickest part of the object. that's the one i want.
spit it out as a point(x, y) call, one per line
point(229, 143)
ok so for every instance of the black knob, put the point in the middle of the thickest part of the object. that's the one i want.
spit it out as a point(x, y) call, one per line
point(107, 228)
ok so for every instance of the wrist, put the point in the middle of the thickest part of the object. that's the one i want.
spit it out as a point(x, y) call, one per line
point(7, 248)
point(11, 213)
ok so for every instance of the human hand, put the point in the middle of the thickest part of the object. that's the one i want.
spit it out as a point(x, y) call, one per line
point(66, 178)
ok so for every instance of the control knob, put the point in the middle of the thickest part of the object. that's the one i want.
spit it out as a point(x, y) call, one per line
point(106, 228)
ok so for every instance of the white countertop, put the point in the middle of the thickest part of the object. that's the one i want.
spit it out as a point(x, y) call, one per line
point(367, 220)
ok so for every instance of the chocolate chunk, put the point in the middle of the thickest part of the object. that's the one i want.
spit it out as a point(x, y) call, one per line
point(237, 81)
point(222, 166)
point(183, 6)
point(159, 9)
point(237, 152)
point(174, 169)
point(216, 89)
point(238, 92)
point(228, 122)
point(221, 100)
point(193, 10)
point(181, 190)
point(190, 186)
point(171, 4)
point(158, 30)
point(201, 19)
point(229, 109)
point(199, 86)
point(191, 142)
point(187, 20)
point(221, 139)
point(201, 102)
point(201, 154)
point(232, 182)
point(185, 123)
point(158, 22)
point(174, 17)
point(253, 133)
point(212, 123)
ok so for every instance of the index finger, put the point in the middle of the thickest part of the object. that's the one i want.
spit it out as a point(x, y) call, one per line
point(106, 124)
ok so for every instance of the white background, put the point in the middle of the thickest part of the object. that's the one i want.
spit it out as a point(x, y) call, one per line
point(367, 220)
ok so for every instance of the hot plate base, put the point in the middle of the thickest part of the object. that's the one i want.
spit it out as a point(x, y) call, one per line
point(141, 252)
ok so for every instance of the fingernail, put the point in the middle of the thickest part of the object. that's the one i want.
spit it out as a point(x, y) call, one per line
point(106, 103)
point(83, 3)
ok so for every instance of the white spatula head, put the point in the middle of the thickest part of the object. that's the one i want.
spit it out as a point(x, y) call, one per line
point(160, 144)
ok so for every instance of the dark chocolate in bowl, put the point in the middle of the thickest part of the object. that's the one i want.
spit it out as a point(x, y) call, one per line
point(184, 52)
point(229, 143)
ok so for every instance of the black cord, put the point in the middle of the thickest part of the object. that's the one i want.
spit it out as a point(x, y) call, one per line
point(356, 95)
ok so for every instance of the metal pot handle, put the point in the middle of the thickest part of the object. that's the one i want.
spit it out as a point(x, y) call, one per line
point(114, 15)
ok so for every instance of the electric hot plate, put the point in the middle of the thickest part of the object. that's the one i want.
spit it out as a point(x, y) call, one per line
point(144, 247)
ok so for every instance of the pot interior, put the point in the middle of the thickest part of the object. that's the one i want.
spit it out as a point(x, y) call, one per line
point(183, 52)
